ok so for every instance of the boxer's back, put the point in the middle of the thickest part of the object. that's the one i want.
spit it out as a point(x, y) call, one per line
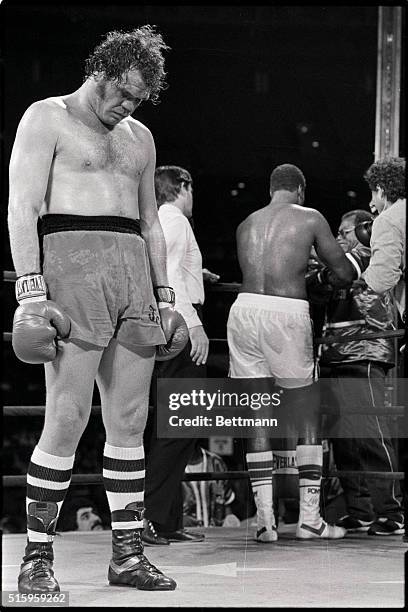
point(274, 245)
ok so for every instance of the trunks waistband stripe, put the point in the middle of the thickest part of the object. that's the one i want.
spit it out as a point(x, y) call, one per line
point(49, 224)
point(274, 303)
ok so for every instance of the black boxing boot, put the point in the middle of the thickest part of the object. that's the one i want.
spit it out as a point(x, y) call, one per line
point(36, 574)
point(129, 566)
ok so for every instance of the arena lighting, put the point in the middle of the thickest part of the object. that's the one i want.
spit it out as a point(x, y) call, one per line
point(234, 192)
point(304, 129)
point(351, 194)
point(241, 185)
point(315, 144)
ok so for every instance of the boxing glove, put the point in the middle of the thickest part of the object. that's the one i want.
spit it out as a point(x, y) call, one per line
point(176, 332)
point(318, 292)
point(35, 328)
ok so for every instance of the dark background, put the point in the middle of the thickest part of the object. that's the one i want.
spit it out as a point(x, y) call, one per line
point(250, 87)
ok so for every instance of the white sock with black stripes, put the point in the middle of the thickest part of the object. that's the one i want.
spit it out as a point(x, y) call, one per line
point(123, 477)
point(260, 468)
point(48, 479)
point(309, 459)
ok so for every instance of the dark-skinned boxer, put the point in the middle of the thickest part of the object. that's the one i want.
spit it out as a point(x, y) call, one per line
point(270, 335)
point(83, 167)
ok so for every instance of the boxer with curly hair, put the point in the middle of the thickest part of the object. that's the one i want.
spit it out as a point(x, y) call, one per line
point(82, 170)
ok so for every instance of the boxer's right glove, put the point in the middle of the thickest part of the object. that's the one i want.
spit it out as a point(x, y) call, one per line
point(173, 325)
point(323, 276)
point(176, 331)
point(37, 321)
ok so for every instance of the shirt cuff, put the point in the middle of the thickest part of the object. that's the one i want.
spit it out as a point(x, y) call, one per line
point(368, 278)
point(191, 319)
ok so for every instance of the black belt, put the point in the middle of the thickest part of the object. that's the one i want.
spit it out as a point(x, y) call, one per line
point(49, 224)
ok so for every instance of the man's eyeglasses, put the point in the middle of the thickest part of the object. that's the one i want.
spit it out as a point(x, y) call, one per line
point(343, 232)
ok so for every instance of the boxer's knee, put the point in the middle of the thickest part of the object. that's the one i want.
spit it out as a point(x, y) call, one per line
point(66, 417)
point(125, 425)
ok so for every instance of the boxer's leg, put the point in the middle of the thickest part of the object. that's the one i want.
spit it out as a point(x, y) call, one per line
point(247, 361)
point(123, 380)
point(259, 458)
point(69, 385)
point(290, 352)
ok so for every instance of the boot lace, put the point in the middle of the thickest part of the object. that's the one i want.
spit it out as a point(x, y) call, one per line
point(152, 529)
point(40, 567)
point(144, 561)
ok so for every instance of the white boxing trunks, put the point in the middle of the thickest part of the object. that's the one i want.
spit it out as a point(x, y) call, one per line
point(271, 336)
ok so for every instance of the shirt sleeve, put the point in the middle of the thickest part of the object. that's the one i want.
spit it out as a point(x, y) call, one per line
point(176, 233)
point(384, 270)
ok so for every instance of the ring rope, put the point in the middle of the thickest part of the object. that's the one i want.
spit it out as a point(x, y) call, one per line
point(94, 479)
point(396, 333)
point(394, 411)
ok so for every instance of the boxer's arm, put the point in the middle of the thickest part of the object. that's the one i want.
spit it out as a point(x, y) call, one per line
point(30, 164)
point(330, 252)
point(149, 219)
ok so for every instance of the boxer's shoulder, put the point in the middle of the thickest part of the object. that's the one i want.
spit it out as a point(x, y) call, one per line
point(138, 128)
point(54, 104)
point(44, 112)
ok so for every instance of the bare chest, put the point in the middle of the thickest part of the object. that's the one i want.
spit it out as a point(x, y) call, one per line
point(119, 151)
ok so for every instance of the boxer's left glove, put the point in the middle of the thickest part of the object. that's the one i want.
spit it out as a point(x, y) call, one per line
point(37, 321)
point(173, 325)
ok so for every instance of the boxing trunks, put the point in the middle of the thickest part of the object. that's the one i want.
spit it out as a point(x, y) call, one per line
point(271, 336)
point(97, 269)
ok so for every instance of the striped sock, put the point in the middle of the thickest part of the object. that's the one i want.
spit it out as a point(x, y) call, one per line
point(260, 467)
point(123, 477)
point(309, 459)
point(48, 480)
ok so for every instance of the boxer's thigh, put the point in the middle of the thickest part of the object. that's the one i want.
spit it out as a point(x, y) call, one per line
point(69, 379)
point(123, 379)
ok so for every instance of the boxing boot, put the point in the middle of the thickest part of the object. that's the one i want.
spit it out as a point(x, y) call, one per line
point(311, 524)
point(36, 574)
point(129, 566)
point(265, 517)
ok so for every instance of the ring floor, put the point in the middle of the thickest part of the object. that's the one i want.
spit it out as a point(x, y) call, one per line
point(229, 569)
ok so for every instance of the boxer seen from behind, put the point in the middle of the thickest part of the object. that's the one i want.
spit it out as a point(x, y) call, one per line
point(96, 271)
point(270, 335)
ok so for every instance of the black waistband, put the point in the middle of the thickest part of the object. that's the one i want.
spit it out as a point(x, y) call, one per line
point(49, 224)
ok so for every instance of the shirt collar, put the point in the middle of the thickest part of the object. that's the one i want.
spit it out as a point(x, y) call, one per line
point(171, 208)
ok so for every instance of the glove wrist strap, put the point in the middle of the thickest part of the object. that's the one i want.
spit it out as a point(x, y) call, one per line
point(31, 288)
point(165, 294)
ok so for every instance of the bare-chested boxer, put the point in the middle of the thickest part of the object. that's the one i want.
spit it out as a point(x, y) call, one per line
point(85, 168)
point(270, 335)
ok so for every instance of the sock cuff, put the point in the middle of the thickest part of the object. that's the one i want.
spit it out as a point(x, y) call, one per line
point(261, 456)
point(123, 452)
point(54, 462)
point(309, 455)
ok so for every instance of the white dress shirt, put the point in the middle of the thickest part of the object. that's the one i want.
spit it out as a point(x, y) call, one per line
point(184, 262)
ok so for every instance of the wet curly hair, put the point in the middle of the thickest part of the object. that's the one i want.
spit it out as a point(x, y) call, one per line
point(119, 52)
point(389, 174)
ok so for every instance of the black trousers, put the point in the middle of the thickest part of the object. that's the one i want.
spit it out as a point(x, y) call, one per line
point(166, 458)
point(366, 498)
